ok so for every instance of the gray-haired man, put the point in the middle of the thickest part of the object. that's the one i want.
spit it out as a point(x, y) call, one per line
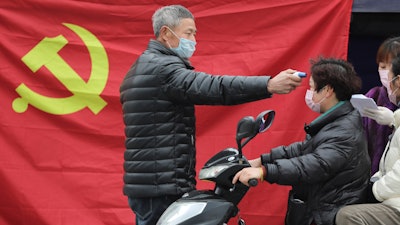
point(158, 96)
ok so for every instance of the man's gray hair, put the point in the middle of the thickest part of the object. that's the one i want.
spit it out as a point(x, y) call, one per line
point(169, 16)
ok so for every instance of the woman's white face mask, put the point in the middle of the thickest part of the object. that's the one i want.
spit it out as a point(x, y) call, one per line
point(383, 74)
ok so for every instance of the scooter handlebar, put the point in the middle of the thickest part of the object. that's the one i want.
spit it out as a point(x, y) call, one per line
point(253, 182)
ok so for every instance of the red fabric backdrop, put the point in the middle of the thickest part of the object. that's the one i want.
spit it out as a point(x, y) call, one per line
point(62, 140)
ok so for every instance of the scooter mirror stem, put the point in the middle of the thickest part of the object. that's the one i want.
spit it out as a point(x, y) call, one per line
point(240, 152)
point(241, 144)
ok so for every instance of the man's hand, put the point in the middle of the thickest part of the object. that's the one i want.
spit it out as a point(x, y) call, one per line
point(283, 83)
point(382, 115)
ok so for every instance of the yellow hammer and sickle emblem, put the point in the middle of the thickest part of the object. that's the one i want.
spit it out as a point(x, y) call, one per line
point(84, 94)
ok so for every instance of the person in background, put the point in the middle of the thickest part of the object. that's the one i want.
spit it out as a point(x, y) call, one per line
point(386, 188)
point(330, 168)
point(377, 123)
point(158, 95)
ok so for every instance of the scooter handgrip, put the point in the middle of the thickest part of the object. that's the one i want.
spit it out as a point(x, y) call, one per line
point(253, 182)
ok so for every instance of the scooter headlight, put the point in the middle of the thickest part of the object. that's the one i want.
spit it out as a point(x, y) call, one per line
point(178, 212)
point(211, 172)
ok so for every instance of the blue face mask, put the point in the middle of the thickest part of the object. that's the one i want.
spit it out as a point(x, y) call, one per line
point(185, 48)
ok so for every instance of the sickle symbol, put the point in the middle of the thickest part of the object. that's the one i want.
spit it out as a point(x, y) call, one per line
point(84, 94)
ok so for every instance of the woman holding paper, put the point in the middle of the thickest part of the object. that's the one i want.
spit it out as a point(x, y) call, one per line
point(385, 115)
point(376, 121)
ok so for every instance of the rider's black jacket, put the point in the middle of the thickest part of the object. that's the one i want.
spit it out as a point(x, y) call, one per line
point(328, 170)
point(158, 96)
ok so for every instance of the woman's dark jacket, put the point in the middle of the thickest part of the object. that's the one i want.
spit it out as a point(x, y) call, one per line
point(158, 96)
point(328, 170)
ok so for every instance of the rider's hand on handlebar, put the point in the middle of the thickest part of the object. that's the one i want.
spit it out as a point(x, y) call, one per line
point(255, 162)
point(248, 173)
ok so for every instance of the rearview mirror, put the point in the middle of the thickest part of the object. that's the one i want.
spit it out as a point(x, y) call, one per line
point(245, 128)
point(264, 120)
point(248, 128)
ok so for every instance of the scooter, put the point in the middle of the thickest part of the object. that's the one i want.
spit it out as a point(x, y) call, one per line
point(218, 206)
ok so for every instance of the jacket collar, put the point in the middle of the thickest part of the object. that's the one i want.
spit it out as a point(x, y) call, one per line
point(155, 45)
point(339, 110)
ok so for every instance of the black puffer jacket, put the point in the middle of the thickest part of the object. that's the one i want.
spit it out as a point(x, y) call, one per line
point(328, 170)
point(158, 96)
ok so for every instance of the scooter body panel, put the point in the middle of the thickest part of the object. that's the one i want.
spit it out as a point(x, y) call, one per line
point(198, 208)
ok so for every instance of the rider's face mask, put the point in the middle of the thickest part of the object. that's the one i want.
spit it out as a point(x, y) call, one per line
point(314, 106)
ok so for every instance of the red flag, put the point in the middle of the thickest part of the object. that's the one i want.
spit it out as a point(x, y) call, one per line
point(61, 125)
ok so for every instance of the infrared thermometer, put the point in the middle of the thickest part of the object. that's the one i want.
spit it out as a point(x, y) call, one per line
point(300, 74)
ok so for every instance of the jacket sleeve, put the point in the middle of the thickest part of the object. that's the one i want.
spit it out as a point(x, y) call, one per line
point(282, 152)
point(327, 157)
point(188, 86)
point(388, 186)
